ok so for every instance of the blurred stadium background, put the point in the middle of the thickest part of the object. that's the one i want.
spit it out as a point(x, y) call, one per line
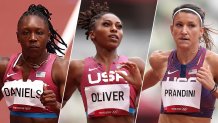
point(161, 39)
point(137, 17)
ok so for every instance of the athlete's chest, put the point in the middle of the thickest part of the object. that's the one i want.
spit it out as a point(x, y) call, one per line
point(97, 74)
point(184, 74)
point(12, 75)
point(109, 77)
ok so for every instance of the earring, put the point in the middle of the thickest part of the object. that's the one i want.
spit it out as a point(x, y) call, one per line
point(201, 39)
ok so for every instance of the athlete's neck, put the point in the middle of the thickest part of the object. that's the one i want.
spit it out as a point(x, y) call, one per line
point(35, 60)
point(106, 58)
point(186, 55)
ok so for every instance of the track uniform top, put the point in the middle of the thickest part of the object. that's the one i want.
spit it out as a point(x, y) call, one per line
point(23, 97)
point(106, 93)
point(181, 92)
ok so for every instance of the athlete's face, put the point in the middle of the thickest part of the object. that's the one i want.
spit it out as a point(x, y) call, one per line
point(186, 30)
point(107, 32)
point(33, 35)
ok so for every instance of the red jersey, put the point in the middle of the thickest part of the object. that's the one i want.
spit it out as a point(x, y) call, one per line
point(23, 97)
point(106, 93)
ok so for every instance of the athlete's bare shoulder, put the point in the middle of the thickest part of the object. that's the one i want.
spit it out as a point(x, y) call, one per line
point(77, 64)
point(139, 62)
point(135, 59)
point(61, 63)
point(76, 69)
point(211, 56)
point(159, 58)
point(212, 61)
point(59, 70)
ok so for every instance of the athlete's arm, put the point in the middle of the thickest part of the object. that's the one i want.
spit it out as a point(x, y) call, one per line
point(141, 66)
point(208, 74)
point(158, 62)
point(3, 65)
point(135, 67)
point(59, 72)
point(73, 79)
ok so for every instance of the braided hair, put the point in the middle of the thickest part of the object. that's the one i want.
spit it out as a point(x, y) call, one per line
point(88, 18)
point(206, 36)
point(43, 13)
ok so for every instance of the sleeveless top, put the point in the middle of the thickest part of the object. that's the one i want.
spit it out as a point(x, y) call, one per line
point(181, 92)
point(23, 97)
point(106, 93)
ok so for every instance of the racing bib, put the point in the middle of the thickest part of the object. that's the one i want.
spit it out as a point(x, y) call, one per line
point(108, 99)
point(181, 95)
point(21, 96)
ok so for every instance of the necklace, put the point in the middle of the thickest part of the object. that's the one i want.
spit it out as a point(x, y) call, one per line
point(33, 65)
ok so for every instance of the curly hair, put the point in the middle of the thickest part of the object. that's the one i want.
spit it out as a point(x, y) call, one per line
point(88, 18)
point(43, 13)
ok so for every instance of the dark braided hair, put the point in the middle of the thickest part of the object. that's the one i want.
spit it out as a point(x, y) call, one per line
point(206, 36)
point(43, 13)
point(88, 18)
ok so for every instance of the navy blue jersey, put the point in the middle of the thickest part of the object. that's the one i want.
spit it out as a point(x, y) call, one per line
point(181, 92)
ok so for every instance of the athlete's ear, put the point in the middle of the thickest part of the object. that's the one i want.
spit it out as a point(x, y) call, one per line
point(17, 33)
point(171, 29)
point(92, 35)
point(202, 30)
point(49, 34)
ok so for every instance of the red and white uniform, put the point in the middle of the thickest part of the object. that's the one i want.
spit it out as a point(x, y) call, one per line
point(106, 93)
point(23, 97)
